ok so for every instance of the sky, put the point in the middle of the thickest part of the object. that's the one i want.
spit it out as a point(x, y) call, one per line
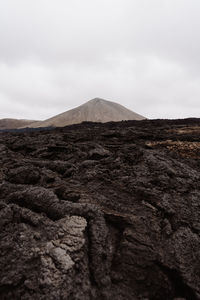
point(58, 54)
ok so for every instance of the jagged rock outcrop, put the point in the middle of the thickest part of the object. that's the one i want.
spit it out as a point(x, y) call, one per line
point(101, 211)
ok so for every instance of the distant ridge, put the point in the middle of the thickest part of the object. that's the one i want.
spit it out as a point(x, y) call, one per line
point(95, 110)
point(14, 123)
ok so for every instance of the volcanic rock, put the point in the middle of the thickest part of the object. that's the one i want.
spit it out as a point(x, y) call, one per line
point(101, 211)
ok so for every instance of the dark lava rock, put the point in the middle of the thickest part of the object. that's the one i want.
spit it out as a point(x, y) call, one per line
point(24, 175)
point(101, 211)
point(98, 153)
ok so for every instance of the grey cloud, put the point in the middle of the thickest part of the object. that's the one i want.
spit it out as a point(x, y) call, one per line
point(55, 55)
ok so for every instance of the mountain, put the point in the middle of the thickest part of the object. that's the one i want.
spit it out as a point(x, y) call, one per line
point(14, 123)
point(95, 110)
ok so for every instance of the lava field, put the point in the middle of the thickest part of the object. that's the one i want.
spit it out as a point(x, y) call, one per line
point(101, 211)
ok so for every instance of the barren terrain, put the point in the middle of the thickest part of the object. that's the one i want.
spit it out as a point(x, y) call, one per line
point(14, 123)
point(101, 211)
point(95, 110)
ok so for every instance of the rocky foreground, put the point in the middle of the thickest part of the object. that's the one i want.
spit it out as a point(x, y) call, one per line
point(101, 211)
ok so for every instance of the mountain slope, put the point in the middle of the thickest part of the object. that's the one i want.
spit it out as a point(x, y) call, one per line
point(14, 123)
point(95, 110)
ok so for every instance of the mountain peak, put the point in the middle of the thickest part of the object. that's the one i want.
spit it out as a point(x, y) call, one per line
point(94, 110)
point(97, 100)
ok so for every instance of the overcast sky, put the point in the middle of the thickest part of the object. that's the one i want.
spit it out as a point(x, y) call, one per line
point(57, 54)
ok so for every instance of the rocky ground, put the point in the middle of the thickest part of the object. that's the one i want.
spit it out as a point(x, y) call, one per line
point(101, 211)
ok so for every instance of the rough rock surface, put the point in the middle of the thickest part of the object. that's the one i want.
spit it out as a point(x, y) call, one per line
point(101, 211)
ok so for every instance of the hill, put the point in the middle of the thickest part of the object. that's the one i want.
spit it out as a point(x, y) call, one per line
point(95, 110)
point(14, 123)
